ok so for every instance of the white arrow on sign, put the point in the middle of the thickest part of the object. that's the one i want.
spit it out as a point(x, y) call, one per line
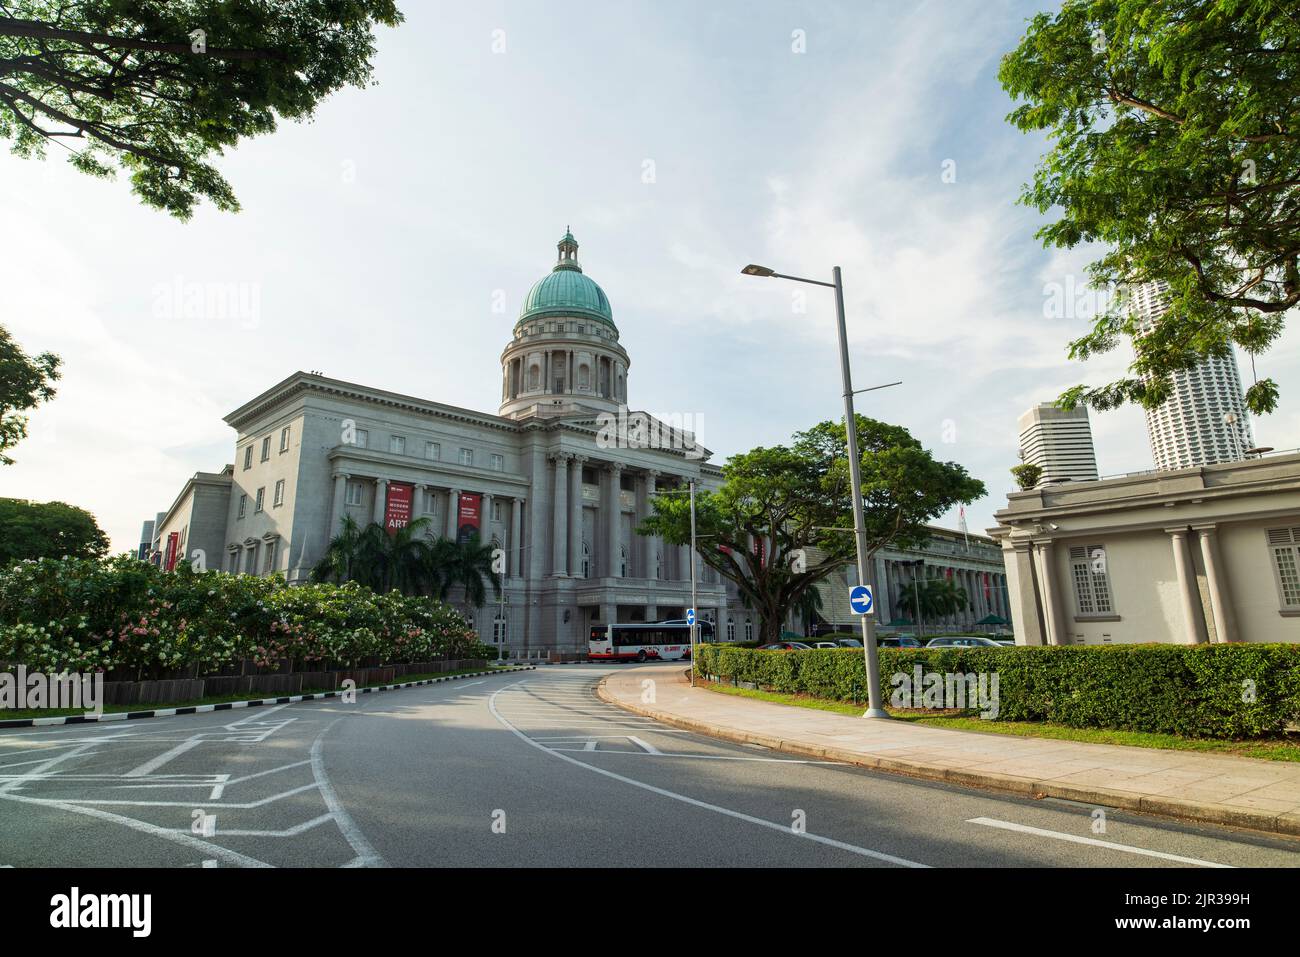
point(861, 600)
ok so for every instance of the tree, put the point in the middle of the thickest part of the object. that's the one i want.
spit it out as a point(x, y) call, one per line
point(469, 565)
point(1175, 128)
point(48, 530)
point(775, 504)
point(1027, 475)
point(24, 383)
point(160, 87)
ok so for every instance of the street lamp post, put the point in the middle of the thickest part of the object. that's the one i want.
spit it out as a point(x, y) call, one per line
point(875, 705)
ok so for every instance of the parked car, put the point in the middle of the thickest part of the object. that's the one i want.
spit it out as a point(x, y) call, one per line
point(962, 641)
point(900, 641)
point(824, 644)
point(785, 646)
point(848, 642)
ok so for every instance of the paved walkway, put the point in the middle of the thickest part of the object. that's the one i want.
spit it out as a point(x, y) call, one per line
point(1213, 788)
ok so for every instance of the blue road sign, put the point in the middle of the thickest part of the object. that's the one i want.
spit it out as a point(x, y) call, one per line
point(861, 600)
point(690, 616)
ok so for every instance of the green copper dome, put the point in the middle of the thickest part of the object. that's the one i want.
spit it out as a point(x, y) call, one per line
point(566, 291)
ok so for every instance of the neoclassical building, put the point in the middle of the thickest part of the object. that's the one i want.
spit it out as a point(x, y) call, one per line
point(538, 478)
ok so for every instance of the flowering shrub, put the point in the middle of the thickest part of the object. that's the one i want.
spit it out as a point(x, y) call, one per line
point(82, 615)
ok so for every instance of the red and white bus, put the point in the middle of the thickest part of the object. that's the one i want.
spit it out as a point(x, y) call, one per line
point(645, 641)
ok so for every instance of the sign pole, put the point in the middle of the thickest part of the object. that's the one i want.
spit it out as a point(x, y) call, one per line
point(693, 612)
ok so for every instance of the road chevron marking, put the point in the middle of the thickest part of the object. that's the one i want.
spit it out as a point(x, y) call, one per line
point(1090, 841)
point(717, 809)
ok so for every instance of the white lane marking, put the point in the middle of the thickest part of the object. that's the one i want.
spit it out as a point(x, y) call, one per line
point(367, 856)
point(706, 757)
point(645, 746)
point(260, 802)
point(155, 763)
point(717, 809)
point(261, 774)
point(1091, 842)
point(288, 832)
point(180, 837)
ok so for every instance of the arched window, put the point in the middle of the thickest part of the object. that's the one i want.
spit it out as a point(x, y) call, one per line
point(586, 560)
point(731, 630)
point(535, 377)
point(499, 629)
point(584, 376)
point(749, 630)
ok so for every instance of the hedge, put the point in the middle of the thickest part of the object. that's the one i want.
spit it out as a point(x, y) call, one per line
point(85, 615)
point(1210, 691)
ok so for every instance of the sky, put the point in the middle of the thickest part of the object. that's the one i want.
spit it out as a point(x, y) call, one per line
point(390, 240)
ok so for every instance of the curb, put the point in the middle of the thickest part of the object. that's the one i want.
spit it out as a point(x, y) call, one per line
point(1267, 821)
point(232, 705)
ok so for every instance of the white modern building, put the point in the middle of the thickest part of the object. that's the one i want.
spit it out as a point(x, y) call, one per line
point(1059, 441)
point(1204, 420)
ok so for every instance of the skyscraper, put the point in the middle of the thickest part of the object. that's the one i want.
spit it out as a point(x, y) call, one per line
point(1059, 442)
point(1204, 420)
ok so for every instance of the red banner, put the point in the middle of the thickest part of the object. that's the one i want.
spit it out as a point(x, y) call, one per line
point(173, 540)
point(397, 511)
point(467, 521)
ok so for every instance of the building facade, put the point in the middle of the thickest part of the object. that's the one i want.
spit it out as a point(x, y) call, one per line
point(1206, 554)
point(1204, 420)
point(1059, 441)
point(972, 562)
point(558, 477)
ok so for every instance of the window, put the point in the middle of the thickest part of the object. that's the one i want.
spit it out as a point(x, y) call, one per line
point(1091, 577)
point(496, 511)
point(243, 499)
point(363, 438)
point(278, 499)
point(261, 499)
point(354, 493)
point(284, 439)
point(248, 457)
point(266, 448)
point(270, 557)
point(622, 561)
point(432, 451)
point(1284, 543)
point(586, 560)
point(397, 444)
point(731, 630)
point(498, 463)
point(466, 456)
point(749, 630)
point(498, 629)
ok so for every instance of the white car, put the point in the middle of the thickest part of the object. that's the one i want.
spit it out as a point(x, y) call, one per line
point(963, 641)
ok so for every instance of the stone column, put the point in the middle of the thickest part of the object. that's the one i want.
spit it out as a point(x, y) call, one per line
point(560, 515)
point(1190, 633)
point(453, 513)
point(879, 591)
point(381, 493)
point(615, 529)
point(516, 542)
point(1056, 632)
point(485, 523)
point(575, 515)
point(340, 497)
point(645, 509)
point(1029, 630)
point(1225, 617)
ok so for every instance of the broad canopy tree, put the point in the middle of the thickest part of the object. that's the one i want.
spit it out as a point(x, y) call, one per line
point(775, 504)
point(33, 530)
point(159, 87)
point(25, 382)
point(1175, 132)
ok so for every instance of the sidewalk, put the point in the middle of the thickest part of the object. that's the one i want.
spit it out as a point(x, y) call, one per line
point(1210, 788)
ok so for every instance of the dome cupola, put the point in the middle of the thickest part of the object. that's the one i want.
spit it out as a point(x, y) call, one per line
point(566, 291)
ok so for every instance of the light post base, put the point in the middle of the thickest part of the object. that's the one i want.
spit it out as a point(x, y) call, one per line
point(876, 713)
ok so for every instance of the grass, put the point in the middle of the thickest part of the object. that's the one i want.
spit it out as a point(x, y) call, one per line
point(1272, 749)
point(7, 714)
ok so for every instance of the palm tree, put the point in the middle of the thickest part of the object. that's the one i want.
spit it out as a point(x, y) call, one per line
point(467, 565)
point(936, 597)
point(372, 557)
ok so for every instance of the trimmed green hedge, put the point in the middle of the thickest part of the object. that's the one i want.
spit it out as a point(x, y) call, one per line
point(1192, 690)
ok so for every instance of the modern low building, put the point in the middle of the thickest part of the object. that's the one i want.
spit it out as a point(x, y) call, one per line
point(1191, 555)
point(194, 528)
point(1059, 441)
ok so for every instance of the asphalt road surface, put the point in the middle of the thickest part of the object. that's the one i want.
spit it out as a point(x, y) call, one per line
point(524, 769)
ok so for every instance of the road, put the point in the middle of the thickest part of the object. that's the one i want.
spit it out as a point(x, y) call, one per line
point(516, 770)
